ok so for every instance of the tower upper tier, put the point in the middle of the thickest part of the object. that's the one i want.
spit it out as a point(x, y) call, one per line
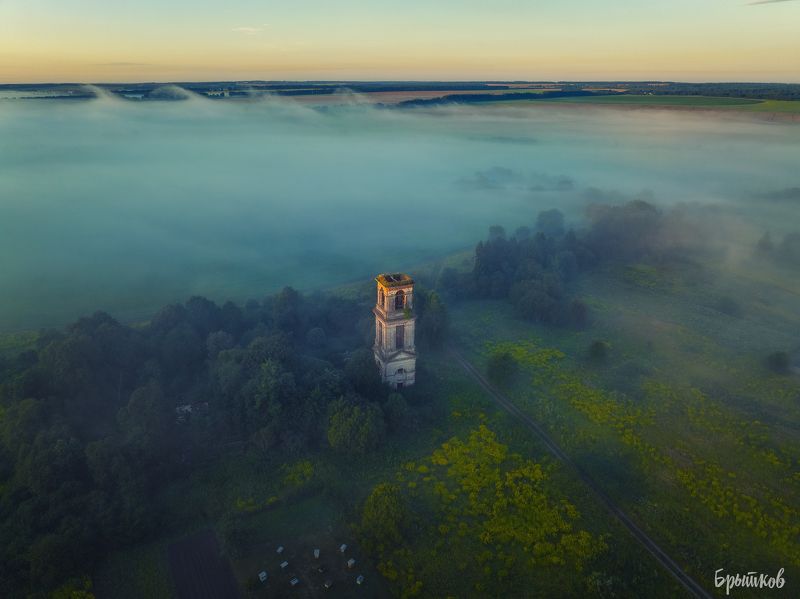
point(395, 296)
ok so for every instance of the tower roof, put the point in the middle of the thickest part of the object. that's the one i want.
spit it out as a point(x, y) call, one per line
point(397, 279)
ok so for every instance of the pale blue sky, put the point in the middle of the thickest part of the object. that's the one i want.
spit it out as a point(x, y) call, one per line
point(98, 40)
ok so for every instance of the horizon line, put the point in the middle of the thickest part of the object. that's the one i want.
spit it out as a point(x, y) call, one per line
point(453, 81)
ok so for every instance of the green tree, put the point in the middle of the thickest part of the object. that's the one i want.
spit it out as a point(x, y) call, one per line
point(598, 351)
point(286, 310)
point(355, 427)
point(316, 338)
point(779, 362)
point(269, 395)
point(384, 518)
point(147, 418)
point(362, 372)
point(501, 367)
point(396, 411)
point(434, 323)
point(74, 589)
point(218, 342)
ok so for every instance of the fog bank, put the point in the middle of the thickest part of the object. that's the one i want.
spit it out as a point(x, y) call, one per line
point(125, 206)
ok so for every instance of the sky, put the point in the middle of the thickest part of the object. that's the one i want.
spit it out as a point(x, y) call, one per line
point(195, 40)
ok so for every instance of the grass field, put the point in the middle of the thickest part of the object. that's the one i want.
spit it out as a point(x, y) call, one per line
point(141, 571)
point(682, 422)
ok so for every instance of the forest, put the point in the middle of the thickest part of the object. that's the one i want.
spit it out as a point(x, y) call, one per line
point(96, 419)
point(100, 415)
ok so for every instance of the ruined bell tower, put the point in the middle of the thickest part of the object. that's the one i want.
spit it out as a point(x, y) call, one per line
point(394, 347)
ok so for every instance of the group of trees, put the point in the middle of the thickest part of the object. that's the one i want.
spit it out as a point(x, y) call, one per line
point(535, 268)
point(786, 252)
point(101, 415)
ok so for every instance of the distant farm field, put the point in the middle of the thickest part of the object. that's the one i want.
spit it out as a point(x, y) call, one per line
point(710, 102)
point(660, 100)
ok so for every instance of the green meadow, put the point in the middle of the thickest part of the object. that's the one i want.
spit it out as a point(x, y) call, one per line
point(681, 422)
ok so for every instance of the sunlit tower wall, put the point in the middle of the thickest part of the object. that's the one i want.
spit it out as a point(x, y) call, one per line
point(395, 321)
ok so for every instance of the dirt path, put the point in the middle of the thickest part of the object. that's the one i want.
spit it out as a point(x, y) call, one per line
point(642, 537)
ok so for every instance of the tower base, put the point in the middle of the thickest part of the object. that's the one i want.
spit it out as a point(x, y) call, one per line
point(398, 370)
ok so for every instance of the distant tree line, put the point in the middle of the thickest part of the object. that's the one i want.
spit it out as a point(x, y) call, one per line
point(764, 91)
point(494, 97)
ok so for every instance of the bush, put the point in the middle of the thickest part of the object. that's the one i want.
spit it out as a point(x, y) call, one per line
point(501, 368)
point(396, 411)
point(598, 351)
point(316, 338)
point(778, 362)
point(362, 372)
point(355, 427)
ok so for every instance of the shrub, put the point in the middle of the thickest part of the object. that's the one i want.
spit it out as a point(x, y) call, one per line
point(778, 362)
point(501, 367)
point(598, 351)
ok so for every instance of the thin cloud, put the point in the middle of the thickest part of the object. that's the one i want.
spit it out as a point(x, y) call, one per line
point(123, 64)
point(250, 30)
point(767, 2)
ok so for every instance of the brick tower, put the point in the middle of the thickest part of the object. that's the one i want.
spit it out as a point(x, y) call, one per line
point(394, 329)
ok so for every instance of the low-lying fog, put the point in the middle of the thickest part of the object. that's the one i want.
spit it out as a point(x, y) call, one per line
point(126, 206)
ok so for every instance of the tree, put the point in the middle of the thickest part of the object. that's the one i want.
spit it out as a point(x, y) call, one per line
point(496, 232)
point(146, 419)
point(362, 372)
point(277, 347)
point(778, 362)
point(217, 342)
point(550, 222)
point(533, 301)
point(286, 310)
point(316, 338)
point(182, 350)
point(204, 315)
point(396, 411)
point(522, 233)
point(74, 589)
point(501, 367)
point(270, 394)
point(765, 245)
point(566, 265)
point(626, 231)
point(578, 314)
point(434, 323)
point(385, 517)
point(598, 351)
point(789, 249)
point(355, 427)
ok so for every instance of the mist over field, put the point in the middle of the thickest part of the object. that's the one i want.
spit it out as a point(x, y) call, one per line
point(125, 206)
